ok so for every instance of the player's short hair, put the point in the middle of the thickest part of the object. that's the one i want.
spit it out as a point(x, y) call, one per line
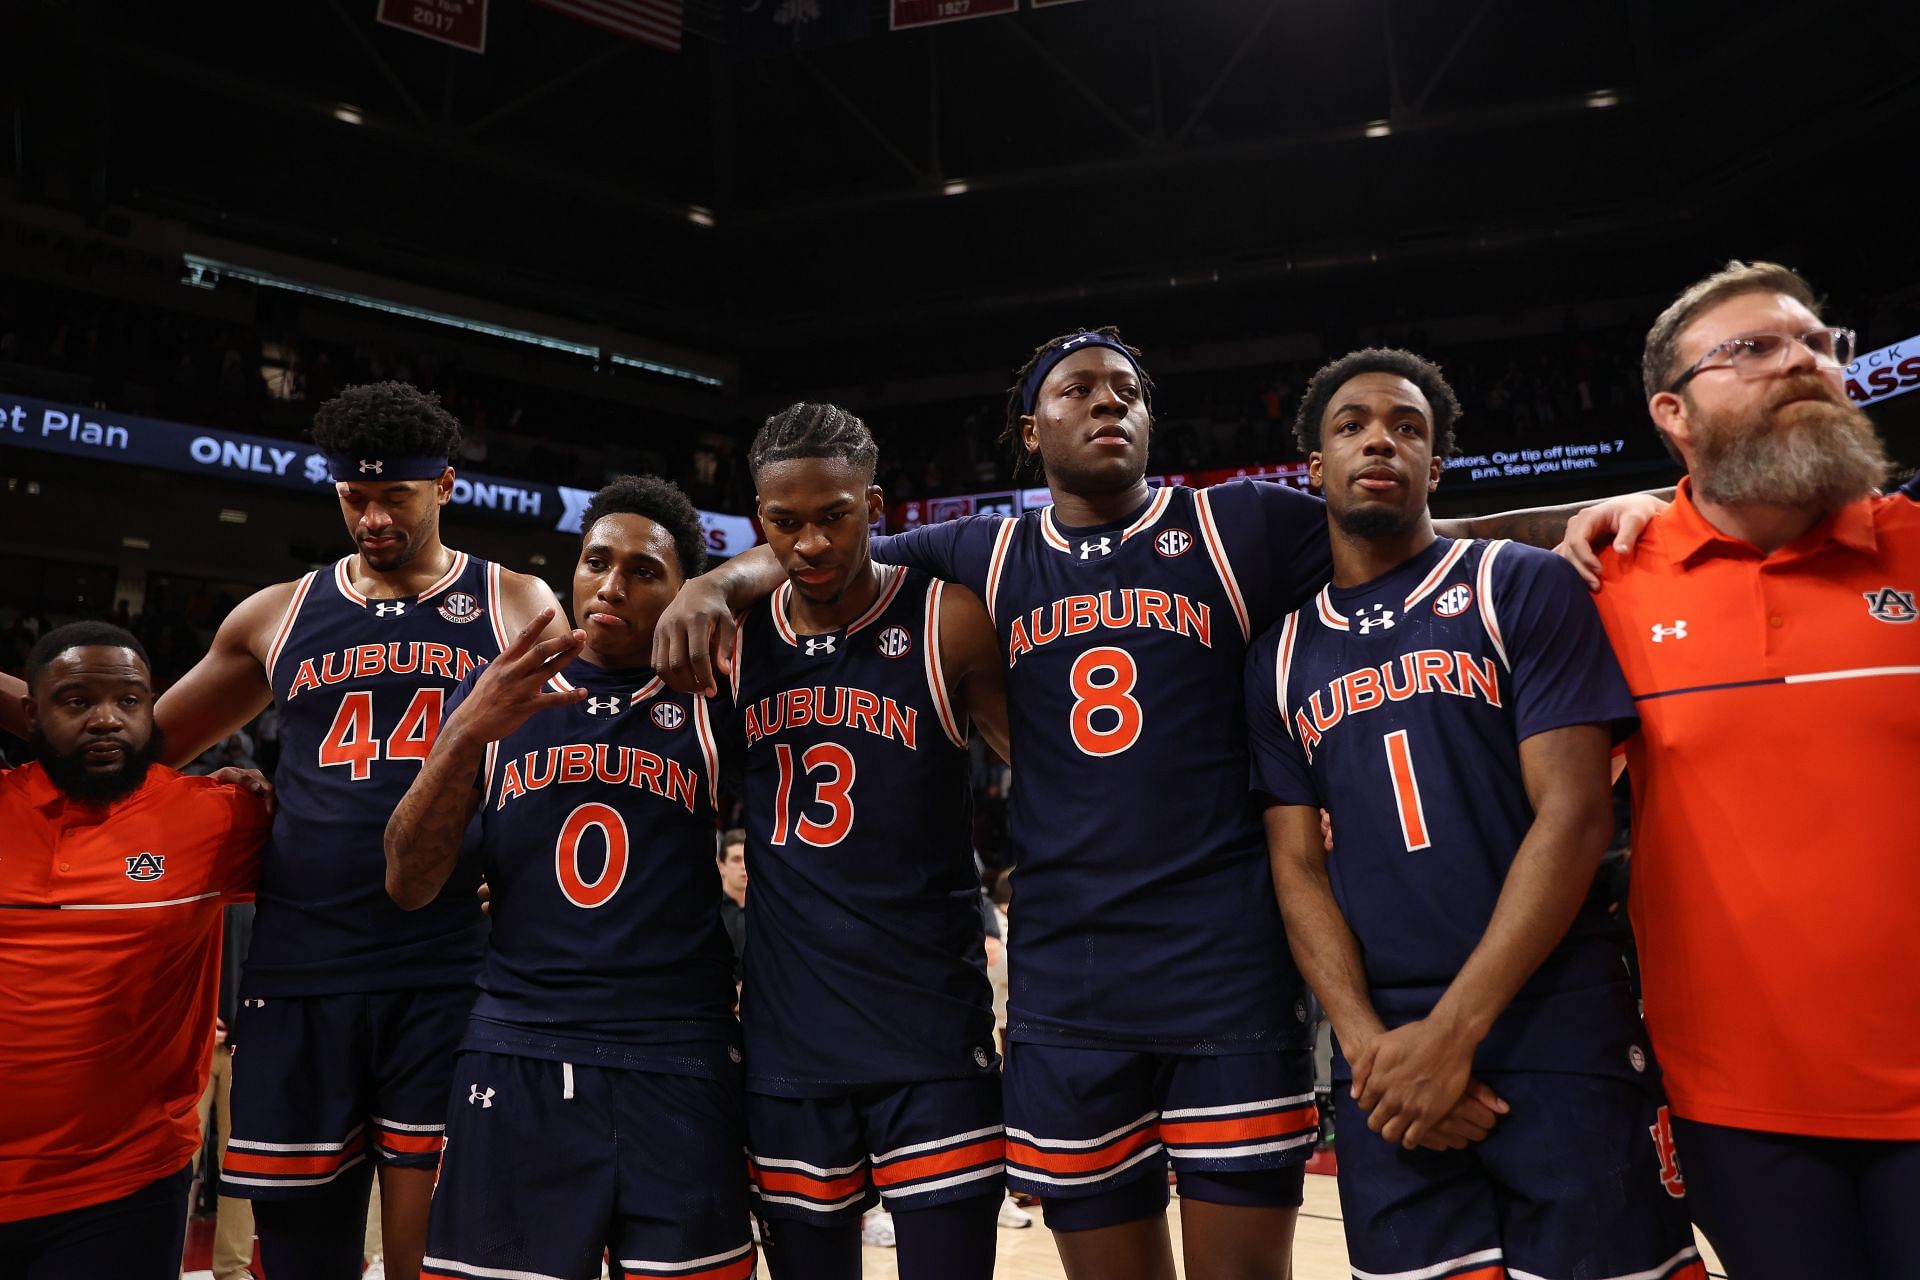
point(658, 501)
point(814, 431)
point(81, 635)
point(1420, 371)
point(1010, 430)
point(730, 837)
point(1660, 359)
point(392, 419)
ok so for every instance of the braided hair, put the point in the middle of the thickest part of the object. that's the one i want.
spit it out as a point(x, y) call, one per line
point(814, 431)
point(1010, 432)
point(386, 417)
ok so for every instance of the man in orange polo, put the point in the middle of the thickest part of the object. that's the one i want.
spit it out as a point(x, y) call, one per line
point(113, 873)
point(1767, 626)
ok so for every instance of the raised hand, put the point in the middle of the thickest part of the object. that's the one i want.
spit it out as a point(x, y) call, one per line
point(513, 685)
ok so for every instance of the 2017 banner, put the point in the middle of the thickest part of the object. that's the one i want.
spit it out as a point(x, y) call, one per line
point(460, 23)
point(927, 13)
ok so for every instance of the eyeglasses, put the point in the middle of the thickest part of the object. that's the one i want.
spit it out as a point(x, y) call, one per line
point(1755, 355)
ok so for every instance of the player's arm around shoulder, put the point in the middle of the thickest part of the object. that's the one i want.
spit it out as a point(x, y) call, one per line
point(695, 632)
point(975, 673)
point(13, 711)
point(521, 597)
point(243, 804)
point(423, 835)
point(228, 687)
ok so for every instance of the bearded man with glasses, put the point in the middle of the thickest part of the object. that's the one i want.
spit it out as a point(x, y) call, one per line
point(1767, 627)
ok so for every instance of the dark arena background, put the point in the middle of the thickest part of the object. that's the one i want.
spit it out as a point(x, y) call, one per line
point(614, 235)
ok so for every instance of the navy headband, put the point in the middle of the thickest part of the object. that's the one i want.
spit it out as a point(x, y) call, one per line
point(351, 466)
point(1030, 389)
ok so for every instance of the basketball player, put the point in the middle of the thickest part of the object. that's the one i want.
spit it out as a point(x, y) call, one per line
point(1154, 1010)
point(865, 1005)
point(1768, 629)
point(350, 1007)
point(596, 1102)
point(1476, 987)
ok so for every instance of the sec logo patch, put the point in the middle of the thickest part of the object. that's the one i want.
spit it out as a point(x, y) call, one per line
point(668, 715)
point(460, 607)
point(1454, 601)
point(893, 642)
point(1172, 542)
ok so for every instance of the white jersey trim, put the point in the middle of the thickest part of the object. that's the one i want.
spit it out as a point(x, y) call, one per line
point(936, 674)
point(1436, 1270)
point(997, 563)
point(1431, 583)
point(1217, 552)
point(1483, 586)
point(287, 620)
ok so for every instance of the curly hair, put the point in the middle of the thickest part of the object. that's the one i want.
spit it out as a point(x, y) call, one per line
point(1010, 431)
point(659, 501)
point(393, 418)
point(814, 431)
point(1418, 370)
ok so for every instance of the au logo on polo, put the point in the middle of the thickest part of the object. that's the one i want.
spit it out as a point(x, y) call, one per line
point(146, 866)
point(1888, 605)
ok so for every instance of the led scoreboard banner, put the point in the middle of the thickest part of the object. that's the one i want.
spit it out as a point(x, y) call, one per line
point(50, 427)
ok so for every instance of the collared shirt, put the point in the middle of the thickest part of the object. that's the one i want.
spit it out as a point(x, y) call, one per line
point(1774, 880)
point(109, 970)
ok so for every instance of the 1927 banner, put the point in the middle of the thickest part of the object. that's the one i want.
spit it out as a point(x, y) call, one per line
point(460, 23)
point(927, 13)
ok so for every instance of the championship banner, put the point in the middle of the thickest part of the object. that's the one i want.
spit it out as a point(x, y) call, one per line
point(927, 13)
point(48, 427)
point(1886, 373)
point(770, 28)
point(460, 23)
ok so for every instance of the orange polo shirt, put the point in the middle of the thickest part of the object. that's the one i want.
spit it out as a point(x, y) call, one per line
point(109, 977)
point(1776, 870)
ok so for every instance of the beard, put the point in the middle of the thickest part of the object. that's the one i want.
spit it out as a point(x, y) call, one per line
point(1816, 454)
point(1372, 520)
point(70, 773)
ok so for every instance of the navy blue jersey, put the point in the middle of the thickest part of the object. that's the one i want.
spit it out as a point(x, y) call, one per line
point(360, 685)
point(1145, 905)
point(597, 837)
point(1399, 707)
point(864, 962)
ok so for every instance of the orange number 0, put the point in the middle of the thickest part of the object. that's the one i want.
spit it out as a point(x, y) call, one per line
point(836, 793)
point(566, 855)
point(1120, 729)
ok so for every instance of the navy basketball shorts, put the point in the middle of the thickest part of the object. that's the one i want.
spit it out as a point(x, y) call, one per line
point(1578, 1179)
point(823, 1160)
point(1780, 1205)
point(550, 1164)
point(1087, 1124)
point(137, 1236)
point(322, 1084)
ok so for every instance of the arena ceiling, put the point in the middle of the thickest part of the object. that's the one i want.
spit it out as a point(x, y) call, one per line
point(1223, 165)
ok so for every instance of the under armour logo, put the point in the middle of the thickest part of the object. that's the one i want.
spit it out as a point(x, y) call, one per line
point(1089, 547)
point(482, 1096)
point(1678, 631)
point(820, 644)
point(1374, 615)
point(603, 706)
point(374, 467)
point(391, 609)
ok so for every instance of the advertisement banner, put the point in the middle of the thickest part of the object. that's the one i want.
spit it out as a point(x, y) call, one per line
point(43, 425)
point(460, 23)
point(1883, 374)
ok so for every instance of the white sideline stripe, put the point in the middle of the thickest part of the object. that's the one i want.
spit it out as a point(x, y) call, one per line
point(1688, 1254)
point(814, 1205)
point(486, 1273)
point(955, 1140)
point(397, 1127)
point(246, 1145)
point(1429, 1273)
point(1295, 1101)
point(1849, 673)
point(1246, 1149)
point(1080, 1144)
point(920, 1188)
point(1027, 1174)
point(135, 906)
point(294, 1182)
point(691, 1263)
point(767, 1162)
